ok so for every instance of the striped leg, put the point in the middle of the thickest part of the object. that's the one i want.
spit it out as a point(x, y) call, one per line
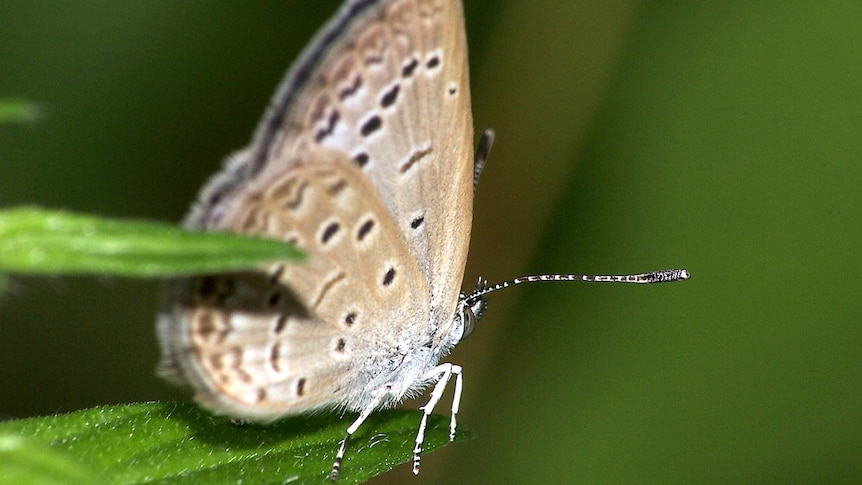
point(442, 373)
point(333, 474)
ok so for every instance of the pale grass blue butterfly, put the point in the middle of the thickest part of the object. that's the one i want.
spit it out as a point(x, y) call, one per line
point(364, 160)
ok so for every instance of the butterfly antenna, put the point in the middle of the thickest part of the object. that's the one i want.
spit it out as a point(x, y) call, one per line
point(664, 276)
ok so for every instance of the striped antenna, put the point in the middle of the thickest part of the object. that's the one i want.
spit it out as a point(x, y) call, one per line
point(664, 276)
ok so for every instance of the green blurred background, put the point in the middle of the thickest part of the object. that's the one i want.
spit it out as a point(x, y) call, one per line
point(725, 137)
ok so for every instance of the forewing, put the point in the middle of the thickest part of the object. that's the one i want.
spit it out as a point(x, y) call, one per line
point(387, 83)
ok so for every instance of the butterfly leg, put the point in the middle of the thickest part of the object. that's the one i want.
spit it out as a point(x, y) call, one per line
point(442, 373)
point(333, 474)
point(481, 156)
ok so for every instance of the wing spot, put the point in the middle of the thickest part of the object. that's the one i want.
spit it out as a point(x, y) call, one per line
point(339, 345)
point(365, 229)
point(389, 277)
point(300, 386)
point(417, 222)
point(453, 88)
point(371, 125)
point(330, 127)
point(433, 62)
point(261, 395)
point(274, 354)
point(361, 159)
point(330, 232)
point(209, 329)
point(350, 91)
point(297, 198)
point(235, 356)
point(409, 67)
point(280, 324)
point(389, 98)
point(216, 197)
point(350, 319)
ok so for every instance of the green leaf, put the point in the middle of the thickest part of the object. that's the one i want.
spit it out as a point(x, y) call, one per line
point(24, 461)
point(180, 443)
point(34, 240)
point(18, 111)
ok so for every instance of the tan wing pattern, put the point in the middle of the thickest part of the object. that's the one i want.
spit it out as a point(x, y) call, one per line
point(363, 160)
point(287, 340)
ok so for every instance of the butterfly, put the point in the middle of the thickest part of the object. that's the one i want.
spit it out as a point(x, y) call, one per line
point(363, 160)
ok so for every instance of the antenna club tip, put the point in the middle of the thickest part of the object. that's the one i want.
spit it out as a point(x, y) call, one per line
point(668, 276)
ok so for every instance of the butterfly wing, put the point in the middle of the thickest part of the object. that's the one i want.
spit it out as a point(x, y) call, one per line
point(387, 83)
point(363, 160)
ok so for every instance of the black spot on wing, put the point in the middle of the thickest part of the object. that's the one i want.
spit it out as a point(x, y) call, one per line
point(330, 231)
point(409, 68)
point(365, 229)
point(280, 324)
point(331, 123)
point(361, 159)
point(350, 319)
point(300, 386)
point(274, 356)
point(371, 125)
point(389, 277)
point(390, 96)
point(353, 89)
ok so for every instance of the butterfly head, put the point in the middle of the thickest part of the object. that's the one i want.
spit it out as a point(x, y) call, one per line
point(472, 307)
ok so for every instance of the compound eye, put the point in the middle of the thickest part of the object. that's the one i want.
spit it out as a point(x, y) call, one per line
point(472, 313)
point(469, 319)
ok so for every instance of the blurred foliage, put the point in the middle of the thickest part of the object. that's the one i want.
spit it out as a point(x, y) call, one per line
point(51, 242)
point(17, 111)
